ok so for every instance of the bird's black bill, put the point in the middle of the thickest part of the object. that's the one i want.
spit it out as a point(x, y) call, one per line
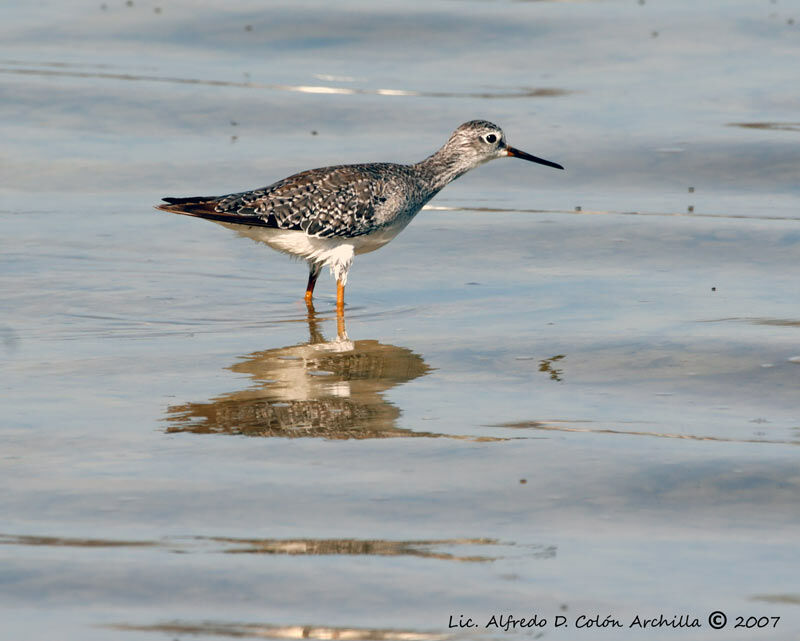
point(521, 154)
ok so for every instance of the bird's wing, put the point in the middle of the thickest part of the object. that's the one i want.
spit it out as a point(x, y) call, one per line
point(328, 202)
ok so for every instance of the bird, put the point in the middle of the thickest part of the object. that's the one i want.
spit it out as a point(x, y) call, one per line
point(327, 216)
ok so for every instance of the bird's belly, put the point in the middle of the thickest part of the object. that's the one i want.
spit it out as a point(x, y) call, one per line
point(378, 238)
point(369, 243)
point(337, 253)
point(289, 241)
point(298, 243)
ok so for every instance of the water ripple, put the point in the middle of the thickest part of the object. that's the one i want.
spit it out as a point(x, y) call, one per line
point(773, 126)
point(424, 548)
point(563, 426)
point(267, 631)
point(606, 212)
point(524, 92)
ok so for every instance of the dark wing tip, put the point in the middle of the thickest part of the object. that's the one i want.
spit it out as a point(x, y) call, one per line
point(191, 200)
point(205, 207)
point(193, 206)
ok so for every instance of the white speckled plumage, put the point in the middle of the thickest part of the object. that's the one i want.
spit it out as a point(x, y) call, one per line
point(326, 216)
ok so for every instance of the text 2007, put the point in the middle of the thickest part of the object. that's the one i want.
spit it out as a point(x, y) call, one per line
point(756, 622)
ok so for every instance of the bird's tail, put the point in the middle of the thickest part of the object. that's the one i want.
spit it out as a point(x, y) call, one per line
point(200, 206)
point(206, 207)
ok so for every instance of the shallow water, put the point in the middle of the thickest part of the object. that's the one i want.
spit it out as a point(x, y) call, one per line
point(556, 393)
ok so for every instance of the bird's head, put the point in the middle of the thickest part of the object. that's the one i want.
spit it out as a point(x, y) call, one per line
point(479, 141)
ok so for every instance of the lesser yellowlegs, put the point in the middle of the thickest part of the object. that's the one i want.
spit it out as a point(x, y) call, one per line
point(326, 216)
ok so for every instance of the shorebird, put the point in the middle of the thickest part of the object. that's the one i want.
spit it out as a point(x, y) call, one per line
point(327, 216)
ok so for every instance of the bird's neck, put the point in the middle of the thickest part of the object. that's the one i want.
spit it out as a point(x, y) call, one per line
point(441, 168)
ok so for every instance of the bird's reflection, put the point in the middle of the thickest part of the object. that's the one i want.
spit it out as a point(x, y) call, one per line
point(330, 389)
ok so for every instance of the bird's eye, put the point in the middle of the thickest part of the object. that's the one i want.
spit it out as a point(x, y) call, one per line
point(491, 139)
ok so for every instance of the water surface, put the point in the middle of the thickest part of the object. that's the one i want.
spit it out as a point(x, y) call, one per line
point(556, 393)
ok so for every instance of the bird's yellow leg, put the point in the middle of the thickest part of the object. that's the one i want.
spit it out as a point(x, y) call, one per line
point(339, 297)
point(312, 280)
